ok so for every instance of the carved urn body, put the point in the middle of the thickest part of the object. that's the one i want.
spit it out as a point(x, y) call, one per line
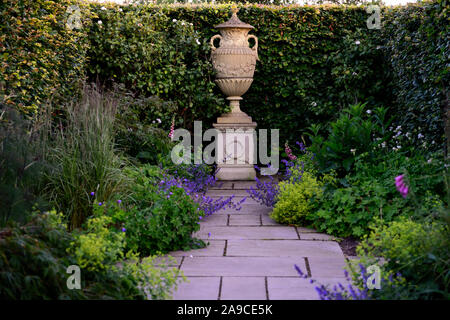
point(234, 61)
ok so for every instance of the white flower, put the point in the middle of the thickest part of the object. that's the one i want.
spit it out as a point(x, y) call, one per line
point(369, 111)
point(432, 142)
point(420, 136)
point(198, 42)
point(353, 151)
point(174, 20)
point(313, 104)
point(399, 147)
point(429, 160)
point(153, 121)
point(357, 42)
point(120, 10)
point(408, 134)
point(383, 144)
point(182, 23)
point(191, 256)
point(378, 47)
point(103, 8)
point(158, 120)
point(99, 22)
point(398, 128)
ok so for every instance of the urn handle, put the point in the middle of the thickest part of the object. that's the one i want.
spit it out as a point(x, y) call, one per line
point(255, 47)
point(217, 36)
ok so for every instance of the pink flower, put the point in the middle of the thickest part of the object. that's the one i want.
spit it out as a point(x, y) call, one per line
point(401, 186)
point(172, 127)
point(289, 152)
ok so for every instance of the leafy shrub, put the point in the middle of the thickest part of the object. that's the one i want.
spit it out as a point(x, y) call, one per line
point(353, 133)
point(98, 246)
point(157, 219)
point(34, 259)
point(85, 158)
point(293, 200)
point(419, 251)
point(22, 165)
point(370, 193)
point(42, 59)
point(138, 125)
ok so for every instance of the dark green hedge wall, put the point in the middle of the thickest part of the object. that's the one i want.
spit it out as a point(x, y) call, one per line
point(40, 59)
point(417, 50)
point(314, 61)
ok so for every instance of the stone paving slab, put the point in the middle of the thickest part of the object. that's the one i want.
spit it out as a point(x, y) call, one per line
point(296, 288)
point(215, 220)
point(316, 236)
point(245, 220)
point(236, 199)
point(246, 208)
point(247, 233)
point(198, 288)
point(227, 193)
point(214, 249)
point(242, 266)
point(243, 288)
point(327, 266)
point(283, 248)
point(222, 185)
point(268, 221)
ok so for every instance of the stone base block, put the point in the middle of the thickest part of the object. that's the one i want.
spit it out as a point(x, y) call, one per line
point(236, 172)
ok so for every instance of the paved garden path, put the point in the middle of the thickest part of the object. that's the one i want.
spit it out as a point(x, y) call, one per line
point(252, 257)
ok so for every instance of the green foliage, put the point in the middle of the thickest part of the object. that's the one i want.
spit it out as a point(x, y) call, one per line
point(138, 126)
point(353, 133)
point(98, 246)
point(417, 46)
point(34, 259)
point(21, 165)
point(419, 251)
point(101, 247)
point(143, 48)
point(41, 59)
point(293, 201)
point(85, 158)
point(370, 193)
point(158, 220)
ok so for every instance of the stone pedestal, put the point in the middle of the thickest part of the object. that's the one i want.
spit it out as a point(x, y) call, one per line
point(235, 150)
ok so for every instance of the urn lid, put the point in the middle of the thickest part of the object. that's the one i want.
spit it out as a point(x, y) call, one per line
point(234, 22)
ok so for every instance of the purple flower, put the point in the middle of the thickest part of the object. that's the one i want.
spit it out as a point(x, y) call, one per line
point(100, 203)
point(123, 229)
point(92, 193)
point(209, 234)
point(119, 201)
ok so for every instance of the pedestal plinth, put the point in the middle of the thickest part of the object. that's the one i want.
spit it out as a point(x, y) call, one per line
point(235, 150)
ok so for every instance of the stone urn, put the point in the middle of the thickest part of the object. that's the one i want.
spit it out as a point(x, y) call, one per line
point(234, 61)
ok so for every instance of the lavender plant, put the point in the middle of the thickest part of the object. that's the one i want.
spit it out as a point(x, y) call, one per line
point(358, 288)
point(266, 192)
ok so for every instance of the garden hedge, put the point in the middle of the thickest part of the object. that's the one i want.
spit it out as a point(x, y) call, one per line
point(40, 58)
point(315, 60)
